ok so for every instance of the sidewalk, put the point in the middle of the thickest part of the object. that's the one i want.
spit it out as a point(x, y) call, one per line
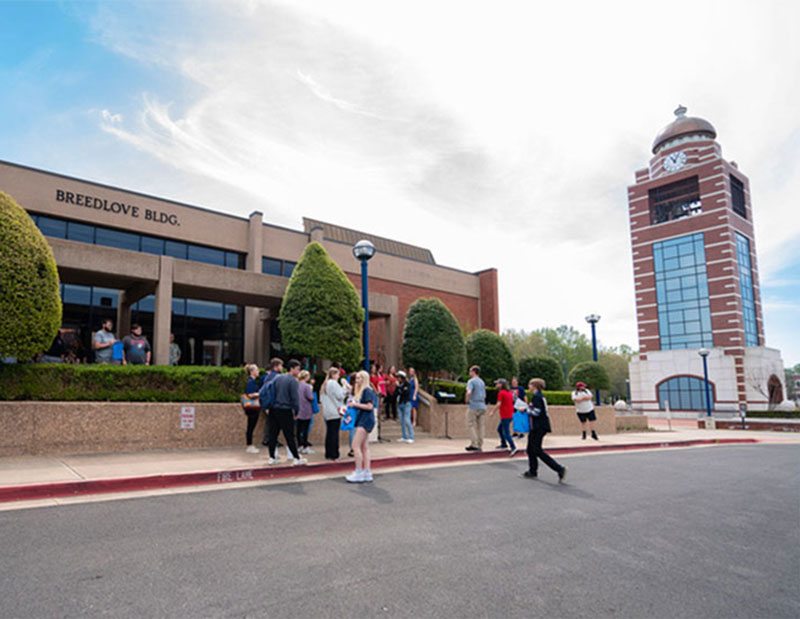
point(47, 477)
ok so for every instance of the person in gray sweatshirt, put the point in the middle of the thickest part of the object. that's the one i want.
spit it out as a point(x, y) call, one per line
point(283, 412)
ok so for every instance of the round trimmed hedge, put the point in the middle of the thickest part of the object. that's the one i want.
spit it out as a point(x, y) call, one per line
point(432, 339)
point(544, 367)
point(489, 351)
point(30, 304)
point(591, 373)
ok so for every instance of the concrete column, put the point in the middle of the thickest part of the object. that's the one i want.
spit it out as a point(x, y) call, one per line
point(393, 335)
point(316, 234)
point(255, 251)
point(162, 321)
point(123, 325)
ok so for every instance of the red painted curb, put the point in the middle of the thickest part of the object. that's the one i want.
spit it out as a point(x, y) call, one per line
point(130, 484)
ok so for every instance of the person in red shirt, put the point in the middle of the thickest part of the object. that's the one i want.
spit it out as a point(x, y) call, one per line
point(505, 404)
point(391, 395)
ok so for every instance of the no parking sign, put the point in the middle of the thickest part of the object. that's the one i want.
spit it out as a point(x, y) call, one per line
point(187, 417)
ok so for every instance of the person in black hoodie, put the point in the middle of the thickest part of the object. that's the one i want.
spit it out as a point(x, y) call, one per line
point(283, 412)
point(540, 425)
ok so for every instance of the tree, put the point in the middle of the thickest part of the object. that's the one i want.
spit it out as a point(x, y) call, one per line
point(616, 366)
point(321, 314)
point(432, 339)
point(567, 344)
point(541, 366)
point(488, 350)
point(524, 343)
point(591, 373)
point(30, 305)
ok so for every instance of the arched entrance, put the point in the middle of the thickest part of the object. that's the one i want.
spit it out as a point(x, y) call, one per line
point(775, 390)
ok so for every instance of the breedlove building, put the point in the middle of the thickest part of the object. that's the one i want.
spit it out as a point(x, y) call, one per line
point(214, 280)
point(696, 279)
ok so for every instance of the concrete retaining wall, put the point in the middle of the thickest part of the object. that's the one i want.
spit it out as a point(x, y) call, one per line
point(32, 428)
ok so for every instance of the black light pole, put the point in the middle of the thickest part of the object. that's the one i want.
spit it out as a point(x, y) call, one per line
point(363, 251)
point(593, 319)
point(704, 352)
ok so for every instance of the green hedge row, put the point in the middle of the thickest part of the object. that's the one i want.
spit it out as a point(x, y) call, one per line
point(554, 398)
point(115, 383)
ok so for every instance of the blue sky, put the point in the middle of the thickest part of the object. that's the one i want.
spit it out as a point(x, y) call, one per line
point(497, 134)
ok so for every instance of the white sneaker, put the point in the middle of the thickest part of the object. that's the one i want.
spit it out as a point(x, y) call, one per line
point(252, 450)
point(401, 440)
point(299, 461)
point(367, 476)
point(409, 441)
point(309, 450)
point(272, 461)
point(356, 477)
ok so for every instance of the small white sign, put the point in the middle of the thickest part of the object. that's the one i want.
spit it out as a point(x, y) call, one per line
point(187, 417)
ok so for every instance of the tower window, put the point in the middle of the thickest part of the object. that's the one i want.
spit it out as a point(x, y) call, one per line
point(675, 200)
point(737, 197)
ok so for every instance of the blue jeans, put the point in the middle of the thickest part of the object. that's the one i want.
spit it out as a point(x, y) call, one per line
point(404, 411)
point(504, 430)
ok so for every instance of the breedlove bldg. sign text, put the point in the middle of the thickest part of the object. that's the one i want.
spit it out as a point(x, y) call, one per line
point(101, 204)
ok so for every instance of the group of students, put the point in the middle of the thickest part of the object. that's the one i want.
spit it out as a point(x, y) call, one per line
point(289, 402)
point(399, 392)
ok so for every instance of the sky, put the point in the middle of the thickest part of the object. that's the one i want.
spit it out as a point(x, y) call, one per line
point(497, 134)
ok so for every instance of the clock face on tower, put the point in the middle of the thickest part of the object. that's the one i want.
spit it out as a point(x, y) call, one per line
point(675, 161)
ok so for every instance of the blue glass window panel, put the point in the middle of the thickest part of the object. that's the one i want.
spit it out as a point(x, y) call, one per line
point(676, 328)
point(117, 239)
point(746, 290)
point(288, 268)
point(232, 312)
point(207, 255)
point(146, 304)
point(203, 309)
point(77, 295)
point(675, 295)
point(683, 393)
point(673, 283)
point(690, 293)
point(687, 261)
point(178, 306)
point(231, 259)
point(686, 248)
point(271, 266)
point(671, 264)
point(104, 297)
point(691, 314)
point(80, 232)
point(52, 227)
point(175, 249)
point(670, 251)
point(152, 245)
point(688, 281)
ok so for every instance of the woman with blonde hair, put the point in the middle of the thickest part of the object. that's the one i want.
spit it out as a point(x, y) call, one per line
point(365, 401)
point(305, 412)
point(332, 396)
point(251, 391)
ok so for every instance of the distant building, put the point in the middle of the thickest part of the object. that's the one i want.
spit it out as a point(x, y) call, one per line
point(696, 279)
point(216, 280)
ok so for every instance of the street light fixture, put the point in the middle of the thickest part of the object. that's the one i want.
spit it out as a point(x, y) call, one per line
point(704, 352)
point(363, 251)
point(593, 319)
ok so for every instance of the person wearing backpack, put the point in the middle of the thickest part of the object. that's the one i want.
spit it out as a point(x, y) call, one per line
point(283, 411)
point(276, 368)
point(540, 425)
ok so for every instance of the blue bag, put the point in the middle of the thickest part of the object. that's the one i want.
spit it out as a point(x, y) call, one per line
point(116, 351)
point(266, 394)
point(349, 419)
point(315, 404)
point(522, 422)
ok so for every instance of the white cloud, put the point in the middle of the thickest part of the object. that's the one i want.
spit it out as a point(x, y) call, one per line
point(497, 134)
point(111, 119)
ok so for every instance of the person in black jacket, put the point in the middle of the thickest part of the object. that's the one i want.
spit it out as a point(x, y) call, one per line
point(540, 425)
point(283, 412)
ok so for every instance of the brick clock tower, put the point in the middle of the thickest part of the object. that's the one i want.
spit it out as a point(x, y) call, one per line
point(696, 279)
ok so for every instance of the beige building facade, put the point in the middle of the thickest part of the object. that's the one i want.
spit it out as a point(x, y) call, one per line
point(215, 281)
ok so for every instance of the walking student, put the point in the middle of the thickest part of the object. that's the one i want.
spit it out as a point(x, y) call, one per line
point(365, 400)
point(283, 411)
point(251, 391)
point(305, 412)
point(332, 396)
point(584, 406)
point(540, 425)
point(275, 370)
point(476, 408)
point(403, 394)
point(505, 404)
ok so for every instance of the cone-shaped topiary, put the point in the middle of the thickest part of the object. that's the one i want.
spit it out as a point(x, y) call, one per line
point(591, 373)
point(321, 314)
point(489, 351)
point(30, 305)
point(544, 367)
point(432, 339)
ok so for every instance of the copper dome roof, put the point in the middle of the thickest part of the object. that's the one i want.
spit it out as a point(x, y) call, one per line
point(684, 125)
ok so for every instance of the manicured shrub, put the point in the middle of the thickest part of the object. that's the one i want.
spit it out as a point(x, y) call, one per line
point(30, 305)
point(591, 373)
point(321, 314)
point(489, 351)
point(117, 383)
point(432, 339)
point(541, 366)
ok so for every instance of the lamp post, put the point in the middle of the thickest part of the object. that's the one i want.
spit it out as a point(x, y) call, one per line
point(363, 251)
point(593, 319)
point(704, 352)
